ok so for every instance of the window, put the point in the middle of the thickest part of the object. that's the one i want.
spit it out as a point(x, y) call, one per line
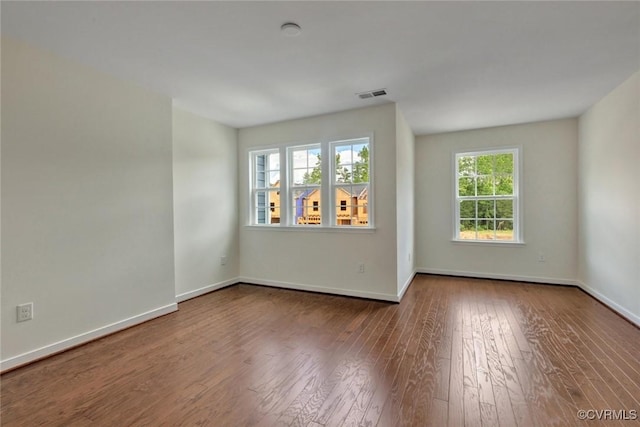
point(487, 196)
point(310, 191)
point(305, 184)
point(350, 184)
point(266, 186)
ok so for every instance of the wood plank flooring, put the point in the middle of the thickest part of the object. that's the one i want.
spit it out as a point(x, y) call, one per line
point(455, 351)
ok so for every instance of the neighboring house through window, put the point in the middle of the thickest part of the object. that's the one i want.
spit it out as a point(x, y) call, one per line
point(265, 194)
point(305, 184)
point(350, 184)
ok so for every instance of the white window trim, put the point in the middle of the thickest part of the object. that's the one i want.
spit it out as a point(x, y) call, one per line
point(286, 217)
point(518, 237)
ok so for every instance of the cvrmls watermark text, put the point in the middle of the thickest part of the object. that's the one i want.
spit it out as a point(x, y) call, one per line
point(608, 414)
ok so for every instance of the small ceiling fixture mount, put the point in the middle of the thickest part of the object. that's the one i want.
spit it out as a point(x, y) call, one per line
point(291, 29)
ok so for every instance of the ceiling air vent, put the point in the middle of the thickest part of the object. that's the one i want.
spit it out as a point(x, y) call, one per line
point(372, 93)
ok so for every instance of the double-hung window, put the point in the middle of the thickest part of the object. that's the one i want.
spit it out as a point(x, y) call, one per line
point(305, 184)
point(487, 196)
point(309, 190)
point(350, 183)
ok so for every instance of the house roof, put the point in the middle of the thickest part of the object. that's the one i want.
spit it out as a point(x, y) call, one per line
point(364, 194)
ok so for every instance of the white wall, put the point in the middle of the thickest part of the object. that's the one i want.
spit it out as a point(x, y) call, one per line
point(609, 193)
point(405, 209)
point(323, 260)
point(549, 151)
point(87, 223)
point(205, 204)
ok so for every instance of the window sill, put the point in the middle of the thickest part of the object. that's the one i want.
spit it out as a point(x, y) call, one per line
point(487, 243)
point(313, 229)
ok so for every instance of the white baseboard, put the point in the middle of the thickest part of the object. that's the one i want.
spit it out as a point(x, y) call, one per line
point(68, 343)
point(205, 290)
point(319, 289)
point(406, 284)
point(516, 278)
point(631, 317)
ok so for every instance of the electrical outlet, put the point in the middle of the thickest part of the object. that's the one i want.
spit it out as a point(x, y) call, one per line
point(361, 267)
point(541, 257)
point(409, 256)
point(223, 260)
point(25, 312)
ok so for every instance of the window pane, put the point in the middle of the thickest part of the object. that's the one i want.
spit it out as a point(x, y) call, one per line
point(260, 161)
point(351, 205)
point(267, 170)
point(504, 230)
point(267, 207)
point(361, 164)
point(486, 229)
point(314, 155)
point(274, 207)
point(299, 176)
point(467, 229)
point(504, 185)
point(274, 179)
point(466, 187)
point(504, 208)
point(485, 185)
point(466, 166)
point(261, 206)
point(314, 172)
point(260, 179)
point(300, 158)
point(343, 173)
point(306, 162)
point(361, 152)
point(504, 163)
point(344, 155)
point(467, 209)
point(307, 206)
point(485, 165)
point(312, 176)
point(274, 161)
point(486, 209)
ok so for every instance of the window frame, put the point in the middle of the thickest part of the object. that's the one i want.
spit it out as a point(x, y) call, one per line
point(516, 151)
point(327, 214)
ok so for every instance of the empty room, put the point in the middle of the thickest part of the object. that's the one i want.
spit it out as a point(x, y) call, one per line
point(320, 213)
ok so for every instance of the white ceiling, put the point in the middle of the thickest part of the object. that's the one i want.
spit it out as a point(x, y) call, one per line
point(449, 65)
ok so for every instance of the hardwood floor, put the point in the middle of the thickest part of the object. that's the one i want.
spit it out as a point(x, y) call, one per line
point(455, 351)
